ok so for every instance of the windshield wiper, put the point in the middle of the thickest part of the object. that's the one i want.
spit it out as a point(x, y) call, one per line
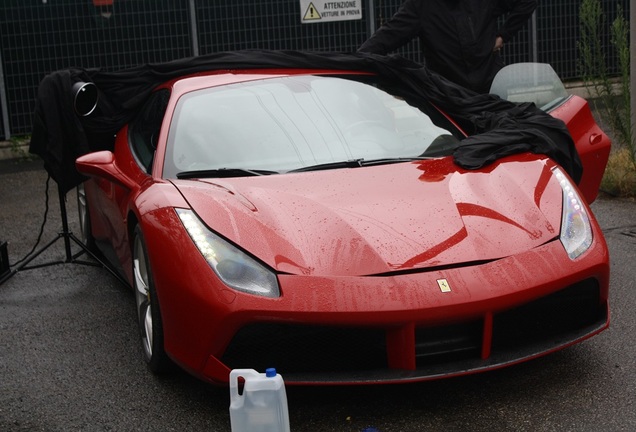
point(354, 163)
point(223, 172)
point(384, 161)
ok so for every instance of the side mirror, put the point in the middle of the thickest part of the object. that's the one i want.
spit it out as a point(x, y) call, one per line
point(85, 98)
point(102, 165)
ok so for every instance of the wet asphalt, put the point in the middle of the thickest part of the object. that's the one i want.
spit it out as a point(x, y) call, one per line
point(70, 359)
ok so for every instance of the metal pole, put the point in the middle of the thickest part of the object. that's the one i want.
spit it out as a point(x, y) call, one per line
point(193, 28)
point(371, 18)
point(3, 104)
point(632, 68)
point(533, 37)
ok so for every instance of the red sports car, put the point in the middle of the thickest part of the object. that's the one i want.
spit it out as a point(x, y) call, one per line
point(326, 223)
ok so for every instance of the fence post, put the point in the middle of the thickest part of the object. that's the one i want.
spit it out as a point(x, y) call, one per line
point(370, 18)
point(194, 32)
point(3, 104)
point(533, 38)
point(632, 67)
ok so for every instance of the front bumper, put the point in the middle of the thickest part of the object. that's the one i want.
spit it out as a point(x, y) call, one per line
point(311, 354)
point(408, 328)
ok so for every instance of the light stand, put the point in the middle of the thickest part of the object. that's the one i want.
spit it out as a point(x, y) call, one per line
point(68, 237)
point(85, 97)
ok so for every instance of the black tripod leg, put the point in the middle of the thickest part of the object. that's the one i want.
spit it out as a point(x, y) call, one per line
point(67, 236)
point(99, 262)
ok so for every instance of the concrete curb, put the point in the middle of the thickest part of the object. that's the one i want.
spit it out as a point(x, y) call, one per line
point(9, 150)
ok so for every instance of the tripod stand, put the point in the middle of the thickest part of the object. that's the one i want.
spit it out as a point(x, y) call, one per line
point(67, 236)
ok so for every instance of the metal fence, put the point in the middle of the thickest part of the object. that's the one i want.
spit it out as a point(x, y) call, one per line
point(40, 36)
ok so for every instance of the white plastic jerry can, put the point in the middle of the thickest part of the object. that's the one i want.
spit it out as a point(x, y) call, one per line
point(262, 406)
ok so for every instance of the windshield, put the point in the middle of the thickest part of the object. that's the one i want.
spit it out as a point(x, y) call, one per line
point(288, 123)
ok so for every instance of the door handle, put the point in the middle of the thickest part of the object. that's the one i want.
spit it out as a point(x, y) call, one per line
point(596, 138)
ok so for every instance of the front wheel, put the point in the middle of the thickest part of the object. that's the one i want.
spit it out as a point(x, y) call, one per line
point(148, 312)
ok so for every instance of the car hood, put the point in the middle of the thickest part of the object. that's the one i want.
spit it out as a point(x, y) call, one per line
point(381, 219)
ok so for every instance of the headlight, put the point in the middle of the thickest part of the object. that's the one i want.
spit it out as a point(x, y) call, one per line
point(235, 268)
point(576, 232)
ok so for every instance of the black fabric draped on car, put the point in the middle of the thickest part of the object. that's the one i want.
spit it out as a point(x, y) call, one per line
point(496, 127)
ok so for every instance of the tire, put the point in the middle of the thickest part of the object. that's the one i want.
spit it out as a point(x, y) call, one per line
point(86, 235)
point(148, 311)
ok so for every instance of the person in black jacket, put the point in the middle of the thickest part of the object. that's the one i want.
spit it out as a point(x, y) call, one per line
point(460, 39)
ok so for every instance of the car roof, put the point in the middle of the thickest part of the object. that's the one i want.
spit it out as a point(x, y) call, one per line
point(215, 78)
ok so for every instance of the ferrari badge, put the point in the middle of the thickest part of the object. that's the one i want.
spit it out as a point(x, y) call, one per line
point(443, 285)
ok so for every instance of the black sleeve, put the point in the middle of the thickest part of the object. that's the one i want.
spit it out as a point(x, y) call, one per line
point(398, 31)
point(519, 12)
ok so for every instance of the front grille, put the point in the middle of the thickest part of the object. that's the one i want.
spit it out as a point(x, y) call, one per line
point(331, 354)
point(301, 349)
point(552, 317)
point(434, 345)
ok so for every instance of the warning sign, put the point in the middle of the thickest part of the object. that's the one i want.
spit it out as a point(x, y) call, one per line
point(315, 11)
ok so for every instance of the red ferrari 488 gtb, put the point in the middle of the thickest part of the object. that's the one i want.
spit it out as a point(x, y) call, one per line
point(349, 221)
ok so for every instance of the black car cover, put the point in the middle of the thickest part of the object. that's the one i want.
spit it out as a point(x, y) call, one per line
point(496, 127)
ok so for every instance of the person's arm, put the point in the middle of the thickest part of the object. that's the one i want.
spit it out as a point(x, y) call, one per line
point(519, 12)
point(398, 31)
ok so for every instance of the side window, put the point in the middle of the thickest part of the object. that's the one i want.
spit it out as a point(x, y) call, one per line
point(144, 129)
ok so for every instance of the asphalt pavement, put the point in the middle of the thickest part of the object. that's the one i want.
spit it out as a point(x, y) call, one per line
point(70, 358)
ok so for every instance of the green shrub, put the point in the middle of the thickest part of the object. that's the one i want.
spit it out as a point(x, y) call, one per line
point(610, 95)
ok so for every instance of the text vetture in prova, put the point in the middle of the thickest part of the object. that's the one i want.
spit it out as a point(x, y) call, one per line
point(317, 11)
